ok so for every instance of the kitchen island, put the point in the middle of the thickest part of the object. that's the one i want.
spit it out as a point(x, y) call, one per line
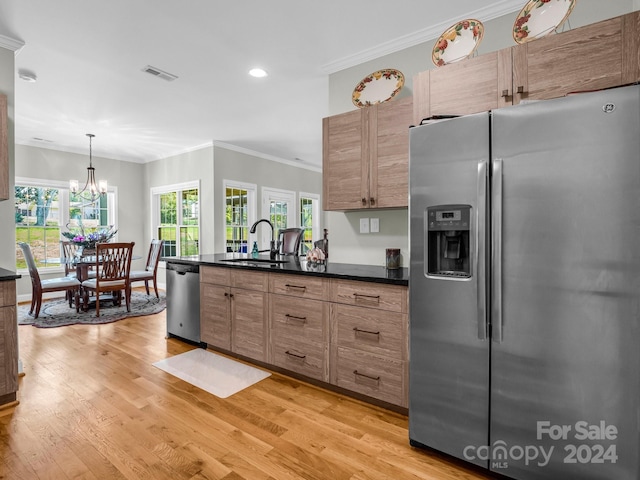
point(8, 339)
point(339, 326)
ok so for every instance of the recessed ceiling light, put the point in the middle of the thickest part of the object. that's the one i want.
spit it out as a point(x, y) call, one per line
point(257, 72)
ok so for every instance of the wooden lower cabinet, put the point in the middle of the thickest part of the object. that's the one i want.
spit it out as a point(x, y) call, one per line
point(376, 376)
point(351, 334)
point(8, 342)
point(369, 344)
point(234, 318)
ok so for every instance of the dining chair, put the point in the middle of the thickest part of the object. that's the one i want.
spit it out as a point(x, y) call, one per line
point(113, 265)
point(151, 269)
point(71, 286)
point(289, 241)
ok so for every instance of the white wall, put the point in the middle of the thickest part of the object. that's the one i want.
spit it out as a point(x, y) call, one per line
point(8, 235)
point(43, 163)
point(347, 245)
point(238, 166)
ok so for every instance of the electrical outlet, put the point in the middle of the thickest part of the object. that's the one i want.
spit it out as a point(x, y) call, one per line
point(364, 225)
point(374, 225)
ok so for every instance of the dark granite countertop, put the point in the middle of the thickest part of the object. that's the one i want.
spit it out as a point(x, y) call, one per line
point(298, 266)
point(6, 275)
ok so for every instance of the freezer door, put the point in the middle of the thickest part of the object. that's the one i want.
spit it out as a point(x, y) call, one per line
point(566, 316)
point(449, 351)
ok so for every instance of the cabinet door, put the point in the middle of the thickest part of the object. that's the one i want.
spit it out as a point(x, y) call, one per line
point(4, 150)
point(587, 58)
point(345, 164)
point(389, 179)
point(471, 86)
point(248, 311)
point(8, 342)
point(215, 315)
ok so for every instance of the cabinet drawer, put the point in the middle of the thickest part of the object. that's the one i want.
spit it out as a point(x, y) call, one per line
point(250, 280)
point(373, 375)
point(368, 294)
point(305, 358)
point(375, 331)
point(7, 293)
point(315, 288)
point(298, 319)
point(216, 275)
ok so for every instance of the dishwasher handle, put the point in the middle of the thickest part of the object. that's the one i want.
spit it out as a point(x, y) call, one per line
point(183, 269)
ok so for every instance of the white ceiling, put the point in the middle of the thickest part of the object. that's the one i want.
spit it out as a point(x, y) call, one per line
point(88, 57)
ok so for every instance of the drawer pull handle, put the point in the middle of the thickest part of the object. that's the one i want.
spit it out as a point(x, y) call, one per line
point(367, 297)
point(520, 89)
point(372, 201)
point(293, 317)
point(505, 93)
point(359, 330)
point(291, 354)
point(369, 377)
point(301, 287)
point(364, 201)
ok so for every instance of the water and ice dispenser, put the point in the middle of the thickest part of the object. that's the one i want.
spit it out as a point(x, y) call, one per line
point(448, 250)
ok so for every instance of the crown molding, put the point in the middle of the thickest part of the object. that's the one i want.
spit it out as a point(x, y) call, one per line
point(484, 14)
point(11, 44)
point(266, 156)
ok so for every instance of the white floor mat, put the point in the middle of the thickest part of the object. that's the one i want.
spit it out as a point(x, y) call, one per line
point(213, 373)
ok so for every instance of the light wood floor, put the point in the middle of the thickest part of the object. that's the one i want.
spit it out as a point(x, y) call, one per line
point(93, 407)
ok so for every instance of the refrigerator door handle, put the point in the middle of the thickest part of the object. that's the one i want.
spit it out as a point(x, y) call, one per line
point(496, 251)
point(480, 250)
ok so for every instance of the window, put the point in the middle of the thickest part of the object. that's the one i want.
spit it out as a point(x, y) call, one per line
point(176, 218)
point(309, 220)
point(240, 207)
point(280, 208)
point(43, 209)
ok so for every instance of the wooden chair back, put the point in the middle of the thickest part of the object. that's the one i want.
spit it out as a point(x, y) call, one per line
point(113, 264)
point(155, 250)
point(31, 264)
point(68, 251)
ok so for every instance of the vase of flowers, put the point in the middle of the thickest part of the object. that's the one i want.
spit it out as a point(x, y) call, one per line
point(86, 242)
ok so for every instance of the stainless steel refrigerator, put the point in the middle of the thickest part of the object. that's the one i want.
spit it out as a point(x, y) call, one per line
point(525, 287)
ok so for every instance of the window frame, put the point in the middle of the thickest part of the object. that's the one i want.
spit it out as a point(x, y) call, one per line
point(252, 208)
point(63, 209)
point(177, 188)
point(278, 194)
point(315, 214)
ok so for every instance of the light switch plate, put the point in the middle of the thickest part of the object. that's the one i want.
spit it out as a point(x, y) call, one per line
point(364, 225)
point(374, 225)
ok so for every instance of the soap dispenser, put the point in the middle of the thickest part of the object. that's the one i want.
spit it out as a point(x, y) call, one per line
point(254, 250)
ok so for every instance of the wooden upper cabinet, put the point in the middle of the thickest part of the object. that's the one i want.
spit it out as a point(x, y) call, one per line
point(343, 159)
point(475, 85)
point(389, 168)
point(587, 58)
point(366, 157)
point(602, 55)
point(4, 149)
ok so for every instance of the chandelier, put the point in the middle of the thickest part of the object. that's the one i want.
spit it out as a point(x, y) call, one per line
point(95, 190)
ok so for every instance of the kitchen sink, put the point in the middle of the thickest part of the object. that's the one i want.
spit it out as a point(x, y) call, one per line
point(253, 260)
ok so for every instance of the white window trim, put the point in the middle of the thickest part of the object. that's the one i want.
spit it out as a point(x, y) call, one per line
point(252, 208)
point(268, 194)
point(155, 193)
point(63, 206)
point(315, 212)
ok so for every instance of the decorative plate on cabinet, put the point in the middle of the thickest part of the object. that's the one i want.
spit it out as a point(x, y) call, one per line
point(539, 18)
point(457, 42)
point(377, 87)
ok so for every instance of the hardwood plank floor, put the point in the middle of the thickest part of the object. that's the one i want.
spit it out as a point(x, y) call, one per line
point(92, 406)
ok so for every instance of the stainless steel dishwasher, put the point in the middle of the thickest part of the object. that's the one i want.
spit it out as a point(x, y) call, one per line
point(183, 301)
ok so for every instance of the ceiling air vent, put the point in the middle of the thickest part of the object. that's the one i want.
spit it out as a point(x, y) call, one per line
point(156, 72)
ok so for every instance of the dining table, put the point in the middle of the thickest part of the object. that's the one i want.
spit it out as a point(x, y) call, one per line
point(83, 265)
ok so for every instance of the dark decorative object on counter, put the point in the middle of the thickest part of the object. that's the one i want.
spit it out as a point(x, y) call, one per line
point(323, 244)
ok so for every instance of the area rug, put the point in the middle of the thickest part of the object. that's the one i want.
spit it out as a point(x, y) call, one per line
point(56, 312)
point(218, 375)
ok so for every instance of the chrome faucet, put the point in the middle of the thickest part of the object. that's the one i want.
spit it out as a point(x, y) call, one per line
point(272, 250)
